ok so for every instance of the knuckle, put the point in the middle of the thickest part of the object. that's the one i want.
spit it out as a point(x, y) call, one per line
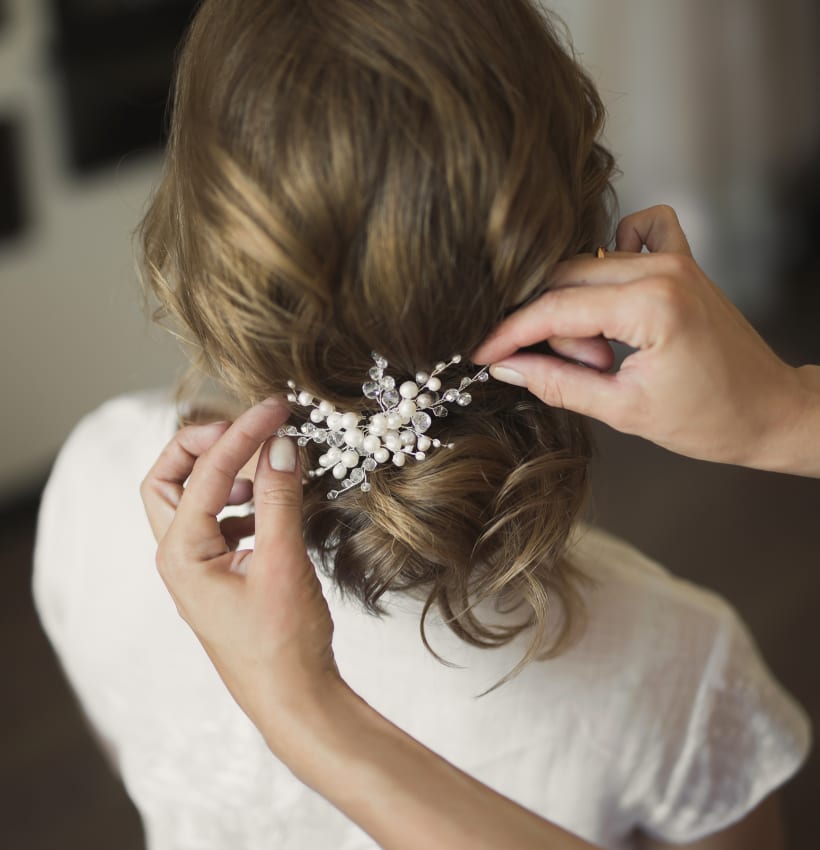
point(671, 303)
point(548, 389)
point(162, 561)
point(676, 265)
point(277, 496)
point(666, 212)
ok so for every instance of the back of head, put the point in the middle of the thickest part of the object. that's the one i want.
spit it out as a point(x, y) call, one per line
point(346, 176)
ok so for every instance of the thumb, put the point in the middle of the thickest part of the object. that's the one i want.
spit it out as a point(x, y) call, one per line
point(277, 496)
point(561, 384)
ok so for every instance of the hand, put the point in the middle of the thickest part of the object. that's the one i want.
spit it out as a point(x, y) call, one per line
point(260, 614)
point(701, 381)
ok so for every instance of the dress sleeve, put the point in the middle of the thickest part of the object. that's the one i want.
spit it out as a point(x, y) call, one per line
point(744, 738)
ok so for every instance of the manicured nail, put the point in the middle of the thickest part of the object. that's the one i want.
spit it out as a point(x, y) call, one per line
point(283, 455)
point(508, 376)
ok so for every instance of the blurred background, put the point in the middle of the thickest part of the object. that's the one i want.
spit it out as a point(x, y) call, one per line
point(714, 108)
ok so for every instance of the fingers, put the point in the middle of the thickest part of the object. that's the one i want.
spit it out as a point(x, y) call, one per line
point(162, 487)
point(278, 503)
point(562, 384)
point(241, 492)
point(577, 312)
point(657, 228)
point(215, 472)
point(594, 352)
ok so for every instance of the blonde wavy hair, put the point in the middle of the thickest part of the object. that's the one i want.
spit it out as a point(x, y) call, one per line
point(397, 175)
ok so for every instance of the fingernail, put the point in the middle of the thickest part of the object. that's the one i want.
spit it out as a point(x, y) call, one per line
point(508, 376)
point(274, 401)
point(283, 455)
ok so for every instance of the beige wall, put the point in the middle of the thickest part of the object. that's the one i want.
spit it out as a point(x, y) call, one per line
point(71, 328)
point(706, 101)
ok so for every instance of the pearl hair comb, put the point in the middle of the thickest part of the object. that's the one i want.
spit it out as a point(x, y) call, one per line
point(395, 432)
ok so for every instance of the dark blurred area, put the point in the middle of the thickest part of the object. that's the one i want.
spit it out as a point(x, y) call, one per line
point(115, 60)
point(83, 88)
point(12, 202)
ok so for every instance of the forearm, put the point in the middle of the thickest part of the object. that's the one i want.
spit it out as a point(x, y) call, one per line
point(405, 796)
point(794, 445)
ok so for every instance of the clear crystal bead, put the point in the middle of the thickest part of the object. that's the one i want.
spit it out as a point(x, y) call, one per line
point(369, 464)
point(375, 373)
point(451, 395)
point(440, 411)
point(303, 441)
point(357, 475)
point(380, 361)
point(336, 439)
point(370, 389)
point(456, 358)
point(347, 483)
point(308, 428)
point(388, 382)
point(465, 382)
point(422, 378)
point(483, 376)
point(390, 398)
point(319, 436)
point(421, 421)
point(333, 494)
point(464, 399)
point(366, 487)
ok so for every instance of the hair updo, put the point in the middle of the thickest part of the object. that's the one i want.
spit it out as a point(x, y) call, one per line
point(344, 176)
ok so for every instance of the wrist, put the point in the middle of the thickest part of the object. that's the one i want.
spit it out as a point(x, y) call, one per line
point(316, 726)
point(793, 444)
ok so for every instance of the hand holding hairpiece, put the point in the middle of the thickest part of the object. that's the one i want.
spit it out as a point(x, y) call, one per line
point(394, 433)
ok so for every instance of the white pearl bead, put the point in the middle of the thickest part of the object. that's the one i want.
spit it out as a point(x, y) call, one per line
point(406, 409)
point(434, 384)
point(326, 407)
point(408, 438)
point(399, 458)
point(350, 420)
point(324, 460)
point(378, 423)
point(334, 454)
point(392, 440)
point(316, 415)
point(305, 398)
point(354, 438)
point(393, 421)
point(422, 378)
point(334, 421)
point(339, 471)
point(424, 442)
point(408, 390)
point(381, 455)
point(370, 443)
point(424, 401)
point(350, 458)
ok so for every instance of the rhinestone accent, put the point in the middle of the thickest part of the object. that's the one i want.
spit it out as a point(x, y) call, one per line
point(390, 434)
